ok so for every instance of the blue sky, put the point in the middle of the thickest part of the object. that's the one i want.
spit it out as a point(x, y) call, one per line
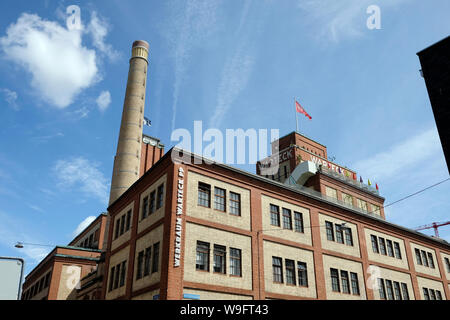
point(232, 64)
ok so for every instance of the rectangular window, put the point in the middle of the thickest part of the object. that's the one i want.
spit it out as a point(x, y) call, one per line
point(389, 290)
point(432, 294)
point(374, 243)
point(219, 199)
point(128, 220)
point(330, 192)
point(155, 262)
point(447, 264)
point(144, 208)
point(204, 194)
point(287, 219)
point(362, 204)
point(235, 203)
point(330, 232)
point(298, 222)
point(140, 262)
point(438, 295)
point(277, 267)
point(339, 234)
point(122, 225)
point(355, 283)
point(235, 262)
point(426, 295)
point(274, 215)
point(160, 197)
point(405, 291)
point(348, 199)
point(348, 236)
point(382, 246)
point(430, 259)
point(202, 257)
point(116, 277)
point(335, 280)
point(397, 292)
point(345, 282)
point(418, 257)
point(424, 258)
point(123, 273)
point(381, 289)
point(219, 259)
point(147, 259)
point(398, 253)
point(152, 202)
point(376, 209)
point(290, 271)
point(390, 248)
point(111, 278)
point(302, 274)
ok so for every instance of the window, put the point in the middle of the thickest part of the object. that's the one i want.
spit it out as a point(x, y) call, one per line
point(160, 197)
point(330, 232)
point(345, 282)
point(381, 289)
point(140, 262)
point(447, 264)
point(432, 294)
point(424, 258)
point(152, 202)
point(355, 283)
point(298, 222)
point(219, 199)
point(362, 204)
point(219, 259)
point(116, 277)
point(122, 274)
point(382, 246)
point(302, 274)
point(287, 219)
point(277, 267)
point(290, 271)
point(128, 220)
point(389, 290)
point(426, 295)
point(235, 203)
point(376, 209)
point(418, 258)
point(397, 292)
point(144, 208)
point(438, 295)
point(335, 280)
point(330, 192)
point(430, 259)
point(111, 278)
point(348, 236)
point(235, 262)
point(274, 215)
point(155, 261)
point(204, 194)
point(374, 243)
point(202, 258)
point(390, 249)
point(147, 259)
point(398, 253)
point(122, 224)
point(348, 199)
point(405, 291)
point(339, 234)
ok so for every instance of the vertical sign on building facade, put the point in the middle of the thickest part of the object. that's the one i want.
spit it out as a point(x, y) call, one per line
point(179, 216)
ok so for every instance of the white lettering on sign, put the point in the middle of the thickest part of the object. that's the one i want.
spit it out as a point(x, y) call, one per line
point(270, 165)
point(331, 166)
point(179, 214)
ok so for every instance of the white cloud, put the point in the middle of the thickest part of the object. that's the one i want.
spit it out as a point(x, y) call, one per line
point(82, 174)
point(83, 225)
point(103, 100)
point(401, 157)
point(60, 66)
point(98, 28)
point(10, 97)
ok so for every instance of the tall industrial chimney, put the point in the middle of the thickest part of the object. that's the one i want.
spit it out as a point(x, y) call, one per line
point(128, 156)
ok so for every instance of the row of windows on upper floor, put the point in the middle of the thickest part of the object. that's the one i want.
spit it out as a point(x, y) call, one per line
point(35, 289)
point(348, 199)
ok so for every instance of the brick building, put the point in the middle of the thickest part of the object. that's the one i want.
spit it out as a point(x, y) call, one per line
point(211, 231)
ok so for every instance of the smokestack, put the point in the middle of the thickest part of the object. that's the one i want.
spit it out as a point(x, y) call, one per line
point(128, 155)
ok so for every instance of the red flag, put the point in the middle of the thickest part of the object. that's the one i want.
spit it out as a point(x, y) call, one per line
point(300, 109)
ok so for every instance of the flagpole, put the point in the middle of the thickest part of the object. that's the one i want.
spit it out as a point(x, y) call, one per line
point(296, 117)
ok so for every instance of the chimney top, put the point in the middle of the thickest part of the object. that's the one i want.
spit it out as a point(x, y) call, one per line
point(141, 43)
